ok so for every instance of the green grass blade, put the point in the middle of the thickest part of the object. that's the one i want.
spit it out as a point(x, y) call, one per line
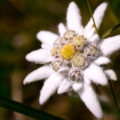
point(91, 13)
point(110, 31)
point(26, 110)
point(114, 96)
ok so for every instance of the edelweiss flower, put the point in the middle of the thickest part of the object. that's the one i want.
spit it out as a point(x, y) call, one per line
point(73, 59)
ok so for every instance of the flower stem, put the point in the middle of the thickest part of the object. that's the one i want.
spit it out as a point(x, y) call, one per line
point(114, 96)
point(26, 110)
point(89, 7)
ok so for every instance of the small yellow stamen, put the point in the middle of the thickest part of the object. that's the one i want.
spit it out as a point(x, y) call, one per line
point(79, 41)
point(56, 65)
point(55, 51)
point(91, 50)
point(79, 60)
point(67, 51)
point(69, 35)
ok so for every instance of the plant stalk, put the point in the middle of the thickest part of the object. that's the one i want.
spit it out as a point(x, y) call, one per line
point(26, 110)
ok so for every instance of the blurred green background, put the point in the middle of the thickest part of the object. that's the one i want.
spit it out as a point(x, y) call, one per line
point(20, 20)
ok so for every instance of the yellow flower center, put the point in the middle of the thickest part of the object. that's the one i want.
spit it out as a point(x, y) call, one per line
point(67, 51)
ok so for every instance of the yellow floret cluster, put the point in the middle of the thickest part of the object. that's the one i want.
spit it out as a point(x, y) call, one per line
point(67, 51)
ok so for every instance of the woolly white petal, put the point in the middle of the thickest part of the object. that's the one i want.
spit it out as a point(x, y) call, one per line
point(45, 46)
point(47, 37)
point(87, 80)
point(96, 74)
point(98, 16)
point(39, 56)
point(64, 86)
point(110, 45)
point(38, 74)
point(61, 29)
point(95, 38)
point(89, 33)
point(74, 18)
point(77, 86)
point(102, 60)
point(63, 70)
point(89, 98)
point(111, 74)
point(49, 87)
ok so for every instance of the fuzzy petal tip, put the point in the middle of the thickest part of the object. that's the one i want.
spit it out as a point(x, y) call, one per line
point(74, 18)
point(50, 86)
point(89, 98)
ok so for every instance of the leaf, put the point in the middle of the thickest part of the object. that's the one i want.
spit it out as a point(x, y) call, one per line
point(110, 30)
point(115, 5)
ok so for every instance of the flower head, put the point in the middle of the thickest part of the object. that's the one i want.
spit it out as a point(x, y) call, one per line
point(72, 59)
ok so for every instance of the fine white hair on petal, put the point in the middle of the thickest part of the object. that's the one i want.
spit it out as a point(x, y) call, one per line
point(87, 80)
point(95, 38)
point(63, 70)
point(39, 56)
point(111, 74)
point(61, 29)
point(50, 86)
point(89, 98)
point(74, 20)
point(102, 60)
point(110, 45)
point(64, 86)
point(77, 86)
point(38, 74)
point(89, 34)
point(98, 16)
point(96, 74)
point(47, 37)
point(45, 46)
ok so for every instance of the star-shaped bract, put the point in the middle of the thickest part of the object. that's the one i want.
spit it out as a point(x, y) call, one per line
point(59, 80)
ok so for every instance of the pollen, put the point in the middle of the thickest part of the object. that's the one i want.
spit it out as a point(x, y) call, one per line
point(67, 51)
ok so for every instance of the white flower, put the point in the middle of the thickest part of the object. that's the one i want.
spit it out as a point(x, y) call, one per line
point(73, 59)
